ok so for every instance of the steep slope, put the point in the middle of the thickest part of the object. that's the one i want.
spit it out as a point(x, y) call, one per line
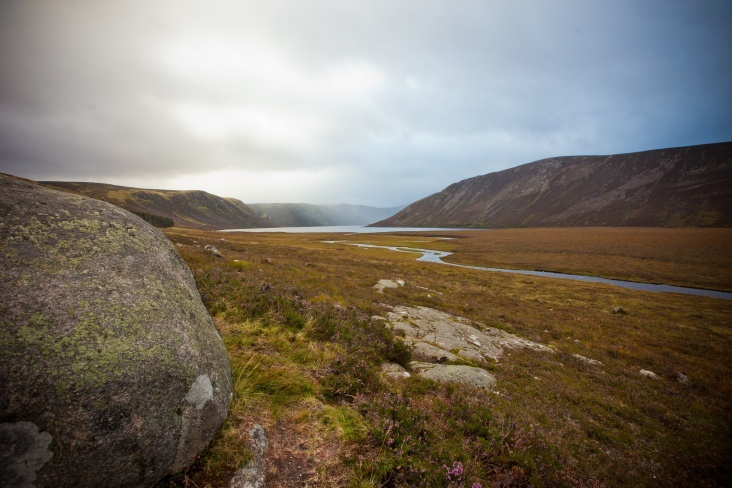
point(192, 209)
point(309, 215)
point(684, 186)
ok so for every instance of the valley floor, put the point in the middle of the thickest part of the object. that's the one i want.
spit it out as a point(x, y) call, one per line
point(299, 319)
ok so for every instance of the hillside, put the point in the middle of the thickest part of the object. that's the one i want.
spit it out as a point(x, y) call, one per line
point(309, 215)
point(676, 187)
point(191, 209)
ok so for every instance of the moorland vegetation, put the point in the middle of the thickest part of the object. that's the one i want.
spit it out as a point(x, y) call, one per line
point(299, 317)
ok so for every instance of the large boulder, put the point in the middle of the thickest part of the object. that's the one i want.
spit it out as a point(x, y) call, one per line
point(111, 370)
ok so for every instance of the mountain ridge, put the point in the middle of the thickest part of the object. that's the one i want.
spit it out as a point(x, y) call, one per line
point(672, 187)
point(198, 209)
point(195, 209)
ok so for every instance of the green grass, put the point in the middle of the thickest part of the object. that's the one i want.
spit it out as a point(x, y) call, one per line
point(295, 315)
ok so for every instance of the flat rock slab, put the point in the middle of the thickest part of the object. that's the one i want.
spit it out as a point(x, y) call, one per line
point(441, 336)
point(446, 373)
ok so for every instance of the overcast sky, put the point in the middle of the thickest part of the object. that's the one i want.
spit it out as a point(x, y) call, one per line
point(375, 102)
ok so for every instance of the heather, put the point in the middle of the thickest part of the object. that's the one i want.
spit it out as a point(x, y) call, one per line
point(299, 318)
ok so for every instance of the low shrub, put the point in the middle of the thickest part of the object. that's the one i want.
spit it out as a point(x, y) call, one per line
point(156, 220)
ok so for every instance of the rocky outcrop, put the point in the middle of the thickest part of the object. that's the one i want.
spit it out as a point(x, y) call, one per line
point(683, 186)
point(112, 372)
point(440, 336)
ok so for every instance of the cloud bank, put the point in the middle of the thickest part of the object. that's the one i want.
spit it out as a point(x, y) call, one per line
point(370, 102)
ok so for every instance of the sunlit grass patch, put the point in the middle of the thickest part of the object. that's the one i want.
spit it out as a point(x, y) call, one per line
point(349, 424)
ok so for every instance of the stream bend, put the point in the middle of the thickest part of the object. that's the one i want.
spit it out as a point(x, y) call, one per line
point(433, 256)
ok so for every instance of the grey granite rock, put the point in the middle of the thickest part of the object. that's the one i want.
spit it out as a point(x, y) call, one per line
point(112, 372)
point(444, 373)
point(252, 475)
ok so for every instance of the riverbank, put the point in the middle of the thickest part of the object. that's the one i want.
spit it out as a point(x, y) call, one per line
point(435, 256)
point(687, 257)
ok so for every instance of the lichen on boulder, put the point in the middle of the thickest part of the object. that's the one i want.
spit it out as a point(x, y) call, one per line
point(112, 371)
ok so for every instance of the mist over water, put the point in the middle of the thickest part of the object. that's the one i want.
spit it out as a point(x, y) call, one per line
point(348, 229)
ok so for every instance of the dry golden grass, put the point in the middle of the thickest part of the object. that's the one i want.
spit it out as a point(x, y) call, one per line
point(604, 425)
point(700, 258)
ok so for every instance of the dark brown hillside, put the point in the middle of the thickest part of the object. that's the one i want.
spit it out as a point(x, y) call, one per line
point(677, 187)
point(192, 209)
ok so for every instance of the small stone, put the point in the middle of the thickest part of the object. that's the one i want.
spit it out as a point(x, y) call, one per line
point(586, 360)
point(683, 379)
point(649, 374)
point(212, 250)
point(619, 310)
point(266, 261)
point(252, 474)
point(393, 370)
point(382, 284)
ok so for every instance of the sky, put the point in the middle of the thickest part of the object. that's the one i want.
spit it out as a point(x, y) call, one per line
point(374, 102)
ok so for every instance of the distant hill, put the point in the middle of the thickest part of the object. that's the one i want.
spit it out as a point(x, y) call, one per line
point(309, 215)
point(191, 209)
point(683, 186)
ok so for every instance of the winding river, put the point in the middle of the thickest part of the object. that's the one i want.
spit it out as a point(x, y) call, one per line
point(433, 256)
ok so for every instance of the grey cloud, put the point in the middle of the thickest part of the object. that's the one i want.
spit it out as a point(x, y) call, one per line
point(92, 90)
